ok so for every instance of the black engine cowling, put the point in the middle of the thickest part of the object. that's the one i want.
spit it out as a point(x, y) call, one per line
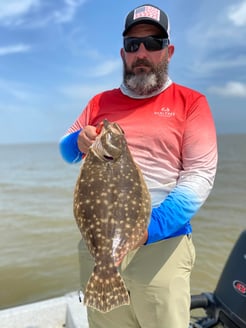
point(230, 293)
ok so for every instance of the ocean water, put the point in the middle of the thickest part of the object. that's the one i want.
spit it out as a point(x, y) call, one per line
point(39, 236)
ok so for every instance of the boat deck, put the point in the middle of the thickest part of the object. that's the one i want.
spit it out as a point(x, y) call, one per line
point(60, 312)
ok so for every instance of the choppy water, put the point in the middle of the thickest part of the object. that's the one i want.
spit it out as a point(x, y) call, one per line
point(39, 236)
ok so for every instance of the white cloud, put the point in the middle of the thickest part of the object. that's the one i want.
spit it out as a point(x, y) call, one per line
point(83, 91)
point(218, 47)
point(12, 12)
point(226, 27)
point(207, 67)
point(11, 9)
point(237, 14)
point(15, 91)
point(105, 68)
point(230, 89)
point(67, 13)
point(18, 48)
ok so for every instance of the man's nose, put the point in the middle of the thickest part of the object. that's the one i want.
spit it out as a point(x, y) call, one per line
point(141, 52)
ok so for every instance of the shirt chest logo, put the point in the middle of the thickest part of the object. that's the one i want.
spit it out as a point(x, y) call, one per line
point(164, 112)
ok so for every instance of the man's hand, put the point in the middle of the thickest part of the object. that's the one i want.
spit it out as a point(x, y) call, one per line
point(86, 138)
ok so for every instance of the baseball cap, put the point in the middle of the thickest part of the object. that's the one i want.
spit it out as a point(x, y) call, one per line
point(148, 14)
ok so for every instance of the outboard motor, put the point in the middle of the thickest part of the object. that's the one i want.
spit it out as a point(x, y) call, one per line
point(230, 293)
point(227, 304)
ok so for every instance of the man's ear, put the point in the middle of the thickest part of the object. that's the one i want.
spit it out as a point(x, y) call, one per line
point(170, 51)
point(122, 53)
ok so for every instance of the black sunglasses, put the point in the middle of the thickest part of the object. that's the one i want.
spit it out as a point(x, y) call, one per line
point(151, 43)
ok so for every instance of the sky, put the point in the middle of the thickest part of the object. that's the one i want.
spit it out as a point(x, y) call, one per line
point(55, 55)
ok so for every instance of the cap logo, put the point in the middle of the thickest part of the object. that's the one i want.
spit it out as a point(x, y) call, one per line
point(147, 11)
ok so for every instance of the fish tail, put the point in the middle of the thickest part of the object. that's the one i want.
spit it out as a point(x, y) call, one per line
point(106, 292)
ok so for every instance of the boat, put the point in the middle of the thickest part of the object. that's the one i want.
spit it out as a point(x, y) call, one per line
point(224, 307)
point(60, 312)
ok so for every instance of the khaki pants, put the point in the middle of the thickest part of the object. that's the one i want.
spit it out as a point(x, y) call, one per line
point(158, 279)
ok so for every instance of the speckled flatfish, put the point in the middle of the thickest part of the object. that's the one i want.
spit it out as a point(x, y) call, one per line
point(112, 209)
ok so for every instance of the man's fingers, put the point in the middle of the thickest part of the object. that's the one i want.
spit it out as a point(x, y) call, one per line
point(86, 138)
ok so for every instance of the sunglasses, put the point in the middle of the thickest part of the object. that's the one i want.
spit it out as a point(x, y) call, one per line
point(151, 43)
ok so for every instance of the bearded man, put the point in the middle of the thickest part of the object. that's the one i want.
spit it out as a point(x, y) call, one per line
point(171, 135)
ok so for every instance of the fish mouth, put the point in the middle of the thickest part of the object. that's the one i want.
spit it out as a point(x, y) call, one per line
point(108, 143)
point(107, 155)
point(101, 153)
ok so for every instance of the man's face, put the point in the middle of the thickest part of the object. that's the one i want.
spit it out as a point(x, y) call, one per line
point(145, 71)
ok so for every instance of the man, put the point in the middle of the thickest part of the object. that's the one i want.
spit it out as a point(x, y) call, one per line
point(170, 132)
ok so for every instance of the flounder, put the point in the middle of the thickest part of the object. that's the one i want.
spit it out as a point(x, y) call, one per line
point(112, 208)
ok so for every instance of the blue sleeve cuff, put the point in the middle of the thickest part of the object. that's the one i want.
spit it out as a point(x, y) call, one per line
point(172, 217)
point(69, 148)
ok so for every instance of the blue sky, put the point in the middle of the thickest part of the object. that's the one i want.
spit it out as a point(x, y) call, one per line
point(54, 55)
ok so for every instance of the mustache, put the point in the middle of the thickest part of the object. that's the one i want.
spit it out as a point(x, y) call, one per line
point(141, 62)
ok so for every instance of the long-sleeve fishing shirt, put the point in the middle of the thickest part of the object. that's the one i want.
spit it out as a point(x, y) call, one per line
point(172, 138)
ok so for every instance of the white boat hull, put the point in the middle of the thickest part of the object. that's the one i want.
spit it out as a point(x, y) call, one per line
point(60, 312)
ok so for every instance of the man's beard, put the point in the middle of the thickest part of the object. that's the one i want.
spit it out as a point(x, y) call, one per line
point(145, 83)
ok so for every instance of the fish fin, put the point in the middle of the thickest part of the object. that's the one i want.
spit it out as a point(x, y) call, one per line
point(106, 293)
point(130, 244)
